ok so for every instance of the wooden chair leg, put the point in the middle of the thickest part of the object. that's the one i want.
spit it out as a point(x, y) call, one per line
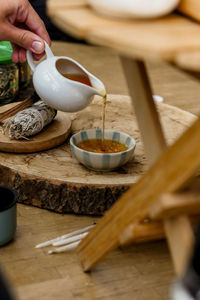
point(150, 128)
point(180, 239)
point(168, 174)
point(172, 205)
point(152, 230)
point(139, 232)
point(145, 109)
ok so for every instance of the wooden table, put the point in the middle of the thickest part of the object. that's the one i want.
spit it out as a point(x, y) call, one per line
point(141, 271)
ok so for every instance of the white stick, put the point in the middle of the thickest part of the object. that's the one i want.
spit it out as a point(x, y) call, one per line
point(70, 240)
point(50, 242)
point(64, 248)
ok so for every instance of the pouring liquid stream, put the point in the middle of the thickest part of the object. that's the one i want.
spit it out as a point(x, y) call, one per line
point(97, 145)
point(103, 113)
point(83, 78)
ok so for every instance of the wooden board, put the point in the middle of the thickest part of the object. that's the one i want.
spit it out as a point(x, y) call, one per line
point(56, 181)
point(51, 136)
point(52, 5)
point(168, 38)
point(190, 8)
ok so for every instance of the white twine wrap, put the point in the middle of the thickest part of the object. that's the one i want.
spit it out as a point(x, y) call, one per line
point(30, 121)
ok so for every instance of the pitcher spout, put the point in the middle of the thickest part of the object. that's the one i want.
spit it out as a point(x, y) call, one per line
point(97, 85)
point(71, 69)
point(63, 83)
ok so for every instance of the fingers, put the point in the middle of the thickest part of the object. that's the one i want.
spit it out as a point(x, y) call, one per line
point(36, 25)
point(19, 54)
point(21, 25)
point(26, 17)
point(24, 38)
point(15, 54)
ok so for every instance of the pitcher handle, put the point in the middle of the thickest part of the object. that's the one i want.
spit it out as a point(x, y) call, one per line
point(29, 56)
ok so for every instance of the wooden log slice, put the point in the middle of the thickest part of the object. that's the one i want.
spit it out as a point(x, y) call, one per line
point(54, 180)
point(51, 136)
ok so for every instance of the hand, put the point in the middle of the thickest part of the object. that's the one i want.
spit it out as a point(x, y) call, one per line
point(21, 25)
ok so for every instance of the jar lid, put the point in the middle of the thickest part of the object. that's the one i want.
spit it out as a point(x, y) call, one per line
point(5, 52)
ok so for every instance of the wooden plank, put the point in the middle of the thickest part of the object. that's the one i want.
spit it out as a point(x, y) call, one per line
point(142, 232)
point(149, 125)
point(168, 174)
point(161, 39)
point(181, 240)
point(53, 6)
point(50, 290)
point(145, 109)
point(102, 189)
point(189, 60)
point(88, 288)
point(190, 8)
point(79, 21)
point(148, 230)
point(170, 205)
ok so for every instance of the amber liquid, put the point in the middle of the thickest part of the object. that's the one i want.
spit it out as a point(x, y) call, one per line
point(99, 146)
point(82, 78)
point(103, 115)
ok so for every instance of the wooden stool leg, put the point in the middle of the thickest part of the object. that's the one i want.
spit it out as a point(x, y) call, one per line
point(180, 238)
point(139, 232)
point(153, 138)
point(167, 175)
point(145, 109)
point(152, 230)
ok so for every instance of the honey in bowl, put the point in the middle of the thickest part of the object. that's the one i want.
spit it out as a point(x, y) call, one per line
point(102, 146)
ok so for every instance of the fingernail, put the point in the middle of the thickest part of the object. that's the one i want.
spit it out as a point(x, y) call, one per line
point(37, 47)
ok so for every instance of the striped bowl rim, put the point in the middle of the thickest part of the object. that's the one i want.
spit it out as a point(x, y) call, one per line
point(130, 148)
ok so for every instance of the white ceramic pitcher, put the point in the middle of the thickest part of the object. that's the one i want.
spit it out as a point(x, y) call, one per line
point(59, 92)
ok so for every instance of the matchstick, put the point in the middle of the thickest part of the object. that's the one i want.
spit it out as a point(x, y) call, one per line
point(70, 240)
point(64, 248)
point(50, 242)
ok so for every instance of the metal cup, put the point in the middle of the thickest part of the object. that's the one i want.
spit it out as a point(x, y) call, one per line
point(8, 216)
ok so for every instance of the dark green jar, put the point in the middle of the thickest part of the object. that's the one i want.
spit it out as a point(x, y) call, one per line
point(9, 74)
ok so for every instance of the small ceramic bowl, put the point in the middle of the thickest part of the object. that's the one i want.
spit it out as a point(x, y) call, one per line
point(102, 161)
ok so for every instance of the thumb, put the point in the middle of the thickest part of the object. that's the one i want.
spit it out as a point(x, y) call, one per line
point(25, 39)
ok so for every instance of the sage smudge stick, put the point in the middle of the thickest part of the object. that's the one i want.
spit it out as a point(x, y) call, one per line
point(30, 121)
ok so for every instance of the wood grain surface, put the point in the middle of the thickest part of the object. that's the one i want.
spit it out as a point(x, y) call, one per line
point(190, 8)
point(55, 180)
point(139, 272)
point(51, 136)
point(52, 5)
point(152, 134)
point(169, 173)
point(8, 111)
point(163, 39)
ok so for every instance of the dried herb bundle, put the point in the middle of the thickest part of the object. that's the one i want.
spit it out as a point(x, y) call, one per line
point(30, 121)
point(8, 82)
